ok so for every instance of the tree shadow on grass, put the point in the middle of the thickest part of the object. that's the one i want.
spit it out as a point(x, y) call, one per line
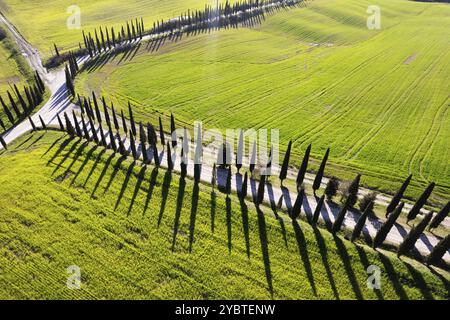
point(140, 178)
point(420, 282)
point(117, 166)
point(365, 263)
point(102, 174)
point(265, 248)
point(229, 230)
point(342, 251)
point(125, 184)
point(213, 209)
point(66, 156)
point(94, 166)
point(151, 187)
point(244, 211)
point(324, 254)
point(301, 242)
point(78, 153)
point(164, 194)
point(60, 149)
point(180, 197)
point(393, 277)
point(273, 206)
point(194, 207)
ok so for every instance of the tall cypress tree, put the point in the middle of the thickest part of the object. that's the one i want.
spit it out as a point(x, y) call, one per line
point(32, 123)
point(3, 142)
point(352, 191)
point(77, 125)
point(21, 100)
point(133, 124)
point(124, 122)
point(85, 129)
point(93, 131)
point(228, 182)
point(297, 208)
point(438, 251)
point(122, 149)
point(317, 211)
point(337, 225)
point(6, 110)
point(97, 110)
point(161, 132)
point(285, 166)
point(155, 155)
point(116, 122)
point(105, 111)
point(173, 131)
point(151, 133)
point(143, 140)
point(387, 226)
point(398, 196)
point(183, 162)
point(243, 193)
point(69, 127)
point(420, 202)
point(261, 188)
point(360, 224)
point(169, 158)
point(319, 175)
point(440, 216)
point(253, 158)
point(42, 123)
point(240, 151)
point(13, 104)
point(61, 125)
point(133, 147)
point(412, 237)
point(2, 124)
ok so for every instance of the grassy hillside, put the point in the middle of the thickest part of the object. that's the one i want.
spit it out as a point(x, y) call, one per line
point(49, 26)
point(378, 98)
point(139, 233)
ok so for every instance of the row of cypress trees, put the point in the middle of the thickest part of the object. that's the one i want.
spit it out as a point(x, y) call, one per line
point(20, 106)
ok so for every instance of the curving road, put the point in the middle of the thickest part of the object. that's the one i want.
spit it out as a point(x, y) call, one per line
point(60, 101)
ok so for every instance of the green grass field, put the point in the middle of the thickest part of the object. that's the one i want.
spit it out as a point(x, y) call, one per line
point(65, 203)
point(378, 98)
point(50, 25)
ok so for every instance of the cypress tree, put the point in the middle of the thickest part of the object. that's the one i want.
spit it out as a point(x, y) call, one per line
point(42, 123)
point(269, 162)
point(21, 101)
point(32, 123)
point(285, 166)
point(94, 132)
point(69, 127)
point(337, 225)
point(169, 158)
point(420, 202)
point(2, 124)
point(387, 226)
point(61, 125)
point(360, 224)
point(331, 188)
point(412, 237)
point(77, 125)
point(105, 111)
point(97, 110)
point(244, 187)
point(173, 131)
point(124, 122)
point(213, 177)
point(183, 162)
point(297, 208)
point(31, 103)
point(2, 141)
point(133, 124)
point(112, 141)
point(85, 129)
point(398, 196)
point(151, 133)
point(80, 104)
point(240, 151)
point(319, 206)
point(438, 251)
point(40, 82)
point(116, 122)
point(197, 172)
point(102, 136)
point(155, 155)
point(69, 82)
point(122, 149)
point(228, 183)
point(13, 104)
point(143, 140)
point(352, 191)
point(319, 175)
point(6, 110)
point(253, 158)
point(133, 147)
point(56, 50)
point(161, 132)
point(439, 217)
point(260, 193)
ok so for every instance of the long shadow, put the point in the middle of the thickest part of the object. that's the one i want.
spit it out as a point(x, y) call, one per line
point(194, 207)
point(87, 158)
point(66, 156)
point(229, 230)
point(301, 242)
point(420, 282)
point(52, 146)
point(180, 197)
point(342, 251)
point(77, 154)
point(117, 166)
point(151, 187)
point(140, 178)
point(324, 254)
point(165, 192)
point(124, 185)
point(102, 174)
point(393, 277)
point(213, 210)
point(365, 262)
point(265, 248)
point(244, 211)
point(94, 166)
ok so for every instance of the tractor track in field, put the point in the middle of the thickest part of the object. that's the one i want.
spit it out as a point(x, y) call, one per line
point(60, 102)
